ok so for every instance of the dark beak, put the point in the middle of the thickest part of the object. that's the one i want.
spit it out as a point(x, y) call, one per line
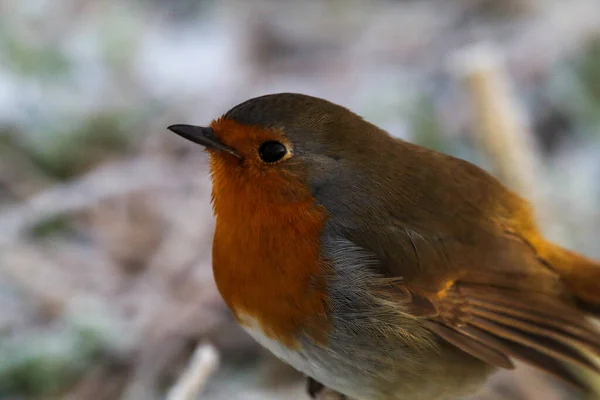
point(203, 136)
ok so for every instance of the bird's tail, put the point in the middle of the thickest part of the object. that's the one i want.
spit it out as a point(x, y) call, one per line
point(581, 275)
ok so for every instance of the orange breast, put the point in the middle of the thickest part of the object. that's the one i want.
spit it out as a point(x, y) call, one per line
point(266, 251)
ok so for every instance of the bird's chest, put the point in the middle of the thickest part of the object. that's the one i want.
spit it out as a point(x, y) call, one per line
point(275, 276)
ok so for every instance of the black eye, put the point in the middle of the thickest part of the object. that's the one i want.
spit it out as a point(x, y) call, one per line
point(272, 151)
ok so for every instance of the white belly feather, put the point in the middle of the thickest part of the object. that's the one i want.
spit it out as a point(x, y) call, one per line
point(292, 357)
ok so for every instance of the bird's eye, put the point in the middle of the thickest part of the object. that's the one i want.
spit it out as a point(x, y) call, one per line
point(272, 151)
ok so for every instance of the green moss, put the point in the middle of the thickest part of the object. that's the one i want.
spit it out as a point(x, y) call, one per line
point(38, 366)
point(44, 363)
point(50, 227)
point(35, 376)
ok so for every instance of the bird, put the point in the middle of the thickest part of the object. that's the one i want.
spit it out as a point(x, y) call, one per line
point(380, 269)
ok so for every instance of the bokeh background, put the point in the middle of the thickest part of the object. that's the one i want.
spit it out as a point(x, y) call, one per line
point(106, 288)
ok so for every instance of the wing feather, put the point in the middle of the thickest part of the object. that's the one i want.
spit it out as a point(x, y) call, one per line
point(495, 324)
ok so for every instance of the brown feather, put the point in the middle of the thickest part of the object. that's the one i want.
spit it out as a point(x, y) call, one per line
point(581, 274)
point(474, 348)
point(479, 338)
point(493, 324)
point(538, 309)
point(527, 355)
point(551, 348)
point(554, 322)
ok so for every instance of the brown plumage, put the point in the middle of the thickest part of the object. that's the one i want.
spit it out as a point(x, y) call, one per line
point(382, 269)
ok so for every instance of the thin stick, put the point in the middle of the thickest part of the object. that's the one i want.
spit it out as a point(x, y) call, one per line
point(203, 364)
point(499, 124)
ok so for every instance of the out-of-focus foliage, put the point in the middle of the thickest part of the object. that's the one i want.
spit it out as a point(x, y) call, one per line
point(105, 219)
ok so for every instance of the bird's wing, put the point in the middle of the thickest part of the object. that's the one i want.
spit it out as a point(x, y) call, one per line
point(513, 307)
point(494, 324)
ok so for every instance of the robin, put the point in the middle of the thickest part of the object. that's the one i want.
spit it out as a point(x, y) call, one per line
point(381, 269)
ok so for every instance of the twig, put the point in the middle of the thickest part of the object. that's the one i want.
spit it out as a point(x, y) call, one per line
point(498, 122)
point(203, 364)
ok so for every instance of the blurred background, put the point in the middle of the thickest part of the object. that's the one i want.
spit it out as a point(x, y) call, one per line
point(106, 287)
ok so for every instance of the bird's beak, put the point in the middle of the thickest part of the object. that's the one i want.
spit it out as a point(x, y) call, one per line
point(204, 136)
